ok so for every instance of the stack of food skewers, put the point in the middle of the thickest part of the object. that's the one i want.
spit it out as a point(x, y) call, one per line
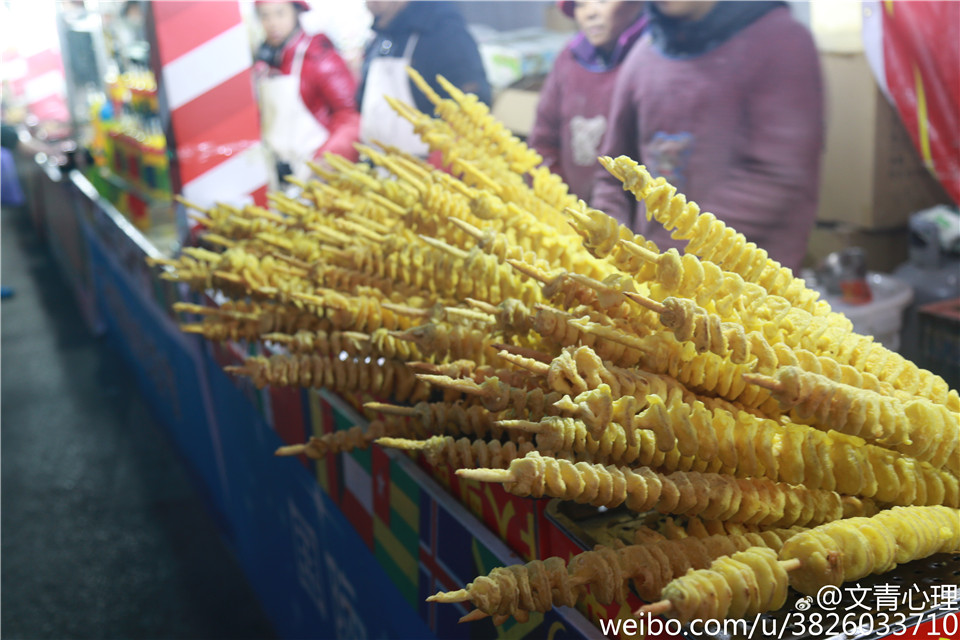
point(531, 341)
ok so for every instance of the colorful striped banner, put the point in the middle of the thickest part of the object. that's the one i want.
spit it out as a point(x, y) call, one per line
point(207, 87)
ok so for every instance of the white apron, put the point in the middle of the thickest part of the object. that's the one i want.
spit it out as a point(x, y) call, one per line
point(378, 121)
point(290, 130)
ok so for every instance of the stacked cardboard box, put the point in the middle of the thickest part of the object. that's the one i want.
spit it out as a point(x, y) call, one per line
point(872, 178)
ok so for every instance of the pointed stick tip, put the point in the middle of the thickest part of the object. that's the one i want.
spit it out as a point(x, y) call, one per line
point(458, 384)
point(655, 609)
point(486, 475)
point(402, 443)
point(528, 270)
point(460, 595)
point(790, 565)
point(290, 450)
point(646, 302)
point(473, 616)
point(523, 425)
point(481, 305)
point(763, 381)
point(423, 367)
point(467, 228)
point(391, 409)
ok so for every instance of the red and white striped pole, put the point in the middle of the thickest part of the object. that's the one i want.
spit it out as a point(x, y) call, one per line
point(205, 85)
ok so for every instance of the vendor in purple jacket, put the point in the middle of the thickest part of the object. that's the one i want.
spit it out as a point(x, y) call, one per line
point(572, 112)
point(725, 102)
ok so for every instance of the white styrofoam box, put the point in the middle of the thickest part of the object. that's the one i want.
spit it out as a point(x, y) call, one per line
point(882, 317)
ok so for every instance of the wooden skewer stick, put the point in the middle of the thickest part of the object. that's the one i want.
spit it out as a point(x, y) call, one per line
point(401, 335)
point(308, 297)
point(276, 241)
point(199, 253)
point(592, 283)
point(423, 367)
point(199, 219)
point(405, 310)
point(291, 260)
point(216, 238)
point(486, 475)
point(581, 219)
point(480, 305)
point(404, 443)
point(424, 86)
point(791, 565)
point(266, 214)
point(230, 277)
point(417, 167)
point(290, 450)
point(643, 253)
point(471, 169)
point(194, 328)
point(522, 425)
point(386, 203)
point(474, 615)
point(290, 271)
point(467, 228)
point(162, 262)
point(526, 352)
point(240, 370)
point(191, 205)
point(655, 609)
point(457, 384)
point(361, 230)
point(664, 606)
point(189, 307)
point(469, 314)
point(608, 333)
point(647, 303)
point(763, 381)
point(529, 271)
point(367, 222)
point(282, 338)
point(460, 595)
point(527, 364)
point(390, 409)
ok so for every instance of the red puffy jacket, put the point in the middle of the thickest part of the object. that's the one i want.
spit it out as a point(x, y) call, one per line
point(329, 91)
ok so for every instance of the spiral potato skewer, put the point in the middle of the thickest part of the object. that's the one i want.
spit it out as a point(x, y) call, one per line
point(388, 379)
point(444, 417)
point(356, 437)
point(541, 585)
point(462, 452)
point(800, 455)
point(496, 395)
point(710, 238)
point(920, 428)
point(248, 321)
point(745, 583)
point(713, 496)
point(851, 549)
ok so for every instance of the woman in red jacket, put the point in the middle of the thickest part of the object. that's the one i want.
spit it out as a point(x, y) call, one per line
point(307, 93)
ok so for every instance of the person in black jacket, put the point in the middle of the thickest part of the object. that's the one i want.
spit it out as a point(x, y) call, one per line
point(432, 38)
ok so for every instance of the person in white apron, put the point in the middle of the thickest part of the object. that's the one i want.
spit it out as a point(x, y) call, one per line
point(430, 37)
point(296, 130)
point(378, 121)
